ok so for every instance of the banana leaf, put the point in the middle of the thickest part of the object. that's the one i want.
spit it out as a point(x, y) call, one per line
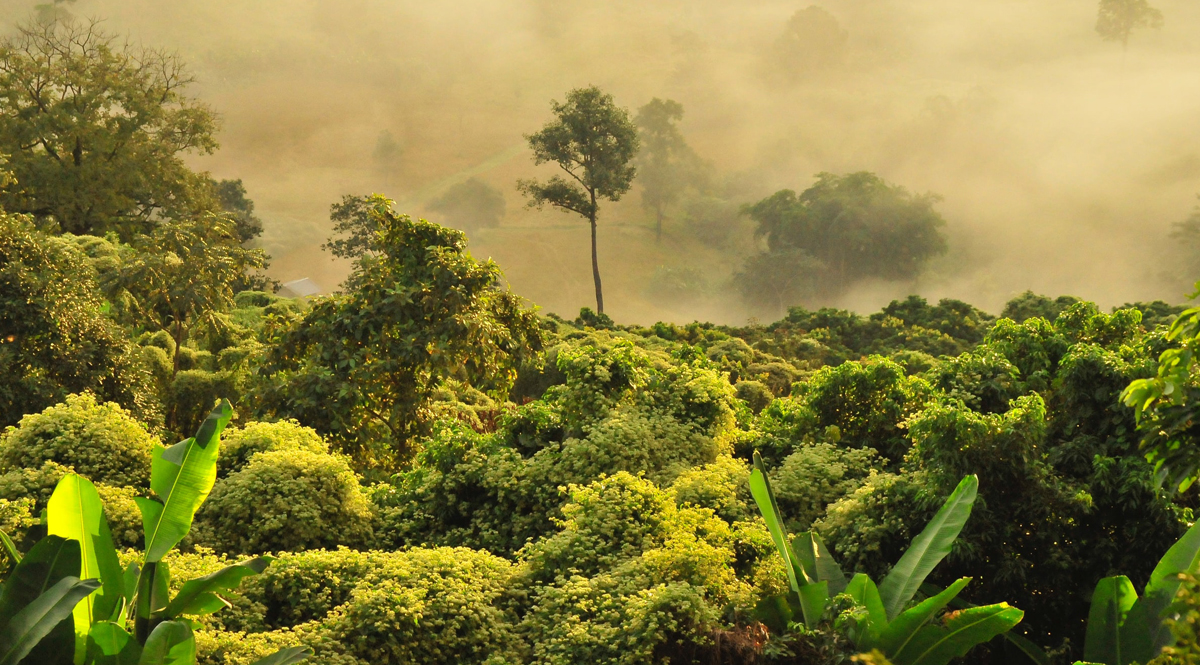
point(171, 643)
point(199, 596)
point(36, 620)
point(181, 476)
point(901, 630)
point(938, 644)
point(1111, 602)
point(75, 512)
point(110, 644)
point(928, 548)
point(862, 589)
point(760, 489)
point(817, 562)
point(1146, 633)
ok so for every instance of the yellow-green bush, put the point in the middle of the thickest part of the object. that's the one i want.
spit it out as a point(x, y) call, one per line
point(285, 500)
point(239, 444)
point(816, 475)
point(121, 511)
point(433, 607)
point(722, 487)
point(429, 606)
point(98, 440)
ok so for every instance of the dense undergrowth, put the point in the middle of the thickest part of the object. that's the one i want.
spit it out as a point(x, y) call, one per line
point(596, 508)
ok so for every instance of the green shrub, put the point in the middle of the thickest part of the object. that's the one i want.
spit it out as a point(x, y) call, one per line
point(219, 647)
point(300, 587)
point(816, 475)
point(983, 379)
point(239, 444)
point(99, 441)
point(433, 606)
point(253, 299)
point(429, 606)
point(36, 484)
point(285, 500)
point(16, 515)
point(755, 394)
point(867, 401)
point(622, 409)
point(617, 619)
point(1033, 346)
point(611, 520)
point(630, 577)
point(721, 486)
point(121, 511)
point(192, 395)
point(161, 340)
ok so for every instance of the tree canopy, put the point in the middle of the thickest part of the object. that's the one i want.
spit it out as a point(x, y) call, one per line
point(1117, 19)
point(94, 129)
point(54, 336)
point(841, 230)
point(186, 273)
point(361, 366)
point(666, 164)
point(471, 204)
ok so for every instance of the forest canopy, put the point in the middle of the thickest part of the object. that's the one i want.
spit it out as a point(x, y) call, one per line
point(419, 465)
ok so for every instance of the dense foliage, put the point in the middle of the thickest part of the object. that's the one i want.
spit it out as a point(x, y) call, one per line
point(421, 469)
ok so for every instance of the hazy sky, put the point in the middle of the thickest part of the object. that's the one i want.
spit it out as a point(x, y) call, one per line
point(1062, 160)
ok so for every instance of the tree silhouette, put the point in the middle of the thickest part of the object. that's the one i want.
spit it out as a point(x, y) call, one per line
point(666, 165)
point(1117, 19)
point(593, 141)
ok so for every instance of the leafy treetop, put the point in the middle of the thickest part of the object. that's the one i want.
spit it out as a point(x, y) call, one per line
point(94, 129)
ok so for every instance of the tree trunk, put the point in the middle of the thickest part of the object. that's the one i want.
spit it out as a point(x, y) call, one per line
point(595, 261)
point(178, 343)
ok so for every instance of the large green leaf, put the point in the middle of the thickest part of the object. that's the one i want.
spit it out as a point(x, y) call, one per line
point(776, 612)
point(862, 589)
point(50, 560)
point(75, 512)
point(10, 548)
point(1111, 602)
point(938, 644)
point(288, 656)
point(171, 643)
point(760, 489)
point(901, 630)
point(199, 596)
point(928, 548)
point(817, 562)
point(182, 476)
point(37, 619)
point(813, 599)
point(110, 644)
point(1033, 652)
point(1145, 632)
point(153, 591)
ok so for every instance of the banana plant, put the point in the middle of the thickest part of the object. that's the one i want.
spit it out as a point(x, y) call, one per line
point(909, 636)
point(1124, 628)
point(181, 478)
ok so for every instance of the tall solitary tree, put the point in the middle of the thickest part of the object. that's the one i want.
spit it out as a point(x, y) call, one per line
point(1117, 19)
point(666, 164)
point(594, 142)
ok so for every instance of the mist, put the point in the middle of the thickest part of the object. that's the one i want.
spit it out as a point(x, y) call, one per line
point(1062, 159)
